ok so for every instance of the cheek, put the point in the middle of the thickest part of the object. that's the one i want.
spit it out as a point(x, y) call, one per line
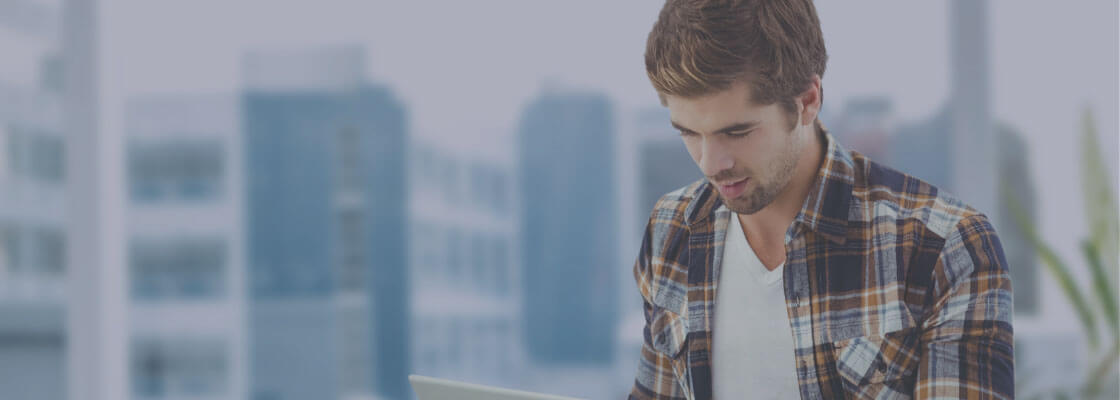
point(777, 150)
point(746, 157)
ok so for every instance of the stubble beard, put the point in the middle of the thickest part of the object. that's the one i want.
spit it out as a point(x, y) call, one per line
point(767, 190)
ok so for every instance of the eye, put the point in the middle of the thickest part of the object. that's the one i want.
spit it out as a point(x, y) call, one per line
point(738, 134)
point(688, 133)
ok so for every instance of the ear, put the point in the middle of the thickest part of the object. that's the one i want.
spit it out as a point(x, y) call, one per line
point(809, 101)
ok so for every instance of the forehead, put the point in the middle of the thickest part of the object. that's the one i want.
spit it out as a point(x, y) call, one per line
point(714, 111)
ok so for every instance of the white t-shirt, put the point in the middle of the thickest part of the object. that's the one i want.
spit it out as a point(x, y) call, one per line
point(752, 343)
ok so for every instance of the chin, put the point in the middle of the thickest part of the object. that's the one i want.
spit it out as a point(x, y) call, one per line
point(742, 205)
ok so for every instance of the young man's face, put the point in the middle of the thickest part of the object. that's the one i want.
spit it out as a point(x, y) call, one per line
point(748, 152)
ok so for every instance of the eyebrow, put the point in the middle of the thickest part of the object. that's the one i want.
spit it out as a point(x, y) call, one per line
point(738, 126)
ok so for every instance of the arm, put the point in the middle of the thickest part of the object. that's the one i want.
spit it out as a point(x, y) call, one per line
point(967, 338)
point(655, 376)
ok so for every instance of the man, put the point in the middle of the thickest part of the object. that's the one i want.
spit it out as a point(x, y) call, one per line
point(798, 269)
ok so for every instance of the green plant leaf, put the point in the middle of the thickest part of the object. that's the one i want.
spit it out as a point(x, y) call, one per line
point(1100, 373)
point(1057, 268)
point(1101, 208)
point(1101, 287)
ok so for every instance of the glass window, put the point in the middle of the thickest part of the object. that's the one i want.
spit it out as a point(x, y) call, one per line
point(428, 245)
point(430, 345)
point(16, 152)
point(499, 191)
point(47, 159)
point(166, 368)
point(10, 249)
point(198, 167)
point(454, 254)
point(456, 342)
point(479, 257)
point(184, 170)
point(501, 265)
point(179, 268)
point(351, 249)
point(350, 158)
point(49, 252)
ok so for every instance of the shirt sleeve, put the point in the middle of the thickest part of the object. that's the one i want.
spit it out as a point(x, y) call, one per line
point(656, 378)
point(967, 339)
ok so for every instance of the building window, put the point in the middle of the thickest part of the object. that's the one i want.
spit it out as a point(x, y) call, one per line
point(501, 265)
point(48, 249)
point(181, 268)
point(349, 149)
point(418, 254)
point(454, 255)
point(481, 345)
point(437, 257)
point(356, 359)
point(455, 344)
point(10, 253)
point(499, 192)
point(352, 263)
point(36, 155)
point(175, 170)
point(430, 345)
point(427, 244)
point(16, 151)
point(481, 270)
point(509, 355)
point(32, 252)
point(47, 158)
point(173, 368)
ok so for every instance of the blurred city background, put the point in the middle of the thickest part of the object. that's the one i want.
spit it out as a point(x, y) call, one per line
point(282, 200)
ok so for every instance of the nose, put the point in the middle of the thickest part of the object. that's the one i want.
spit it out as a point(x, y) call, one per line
point(714, 158)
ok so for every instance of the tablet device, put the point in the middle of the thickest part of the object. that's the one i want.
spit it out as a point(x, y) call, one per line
point(428, 388)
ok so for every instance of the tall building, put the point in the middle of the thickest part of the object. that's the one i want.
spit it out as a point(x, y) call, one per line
point(326, 211)
point(33, 261)
point(1016, 185)
point(921, 148)
point(466, 291)
point(964, 128)
point(569, 228)
point(961, 150)
point(664, 164)
point(865, 125)
point(33, 204)
point(186, 270)
point(973, 130)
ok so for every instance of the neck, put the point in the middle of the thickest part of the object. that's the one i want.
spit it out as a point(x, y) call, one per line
point(775, 219)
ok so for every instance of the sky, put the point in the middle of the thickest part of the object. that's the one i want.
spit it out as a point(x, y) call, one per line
point(466, 69)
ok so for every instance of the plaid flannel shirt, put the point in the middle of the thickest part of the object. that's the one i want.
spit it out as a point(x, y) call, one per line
point(893, 289)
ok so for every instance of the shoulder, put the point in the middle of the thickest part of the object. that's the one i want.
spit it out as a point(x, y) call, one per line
point(883, 195)
point(954, 239)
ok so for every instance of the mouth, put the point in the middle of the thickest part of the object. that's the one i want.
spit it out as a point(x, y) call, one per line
point(733, 189)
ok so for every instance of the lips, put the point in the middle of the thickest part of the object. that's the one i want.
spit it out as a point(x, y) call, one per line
point(733, 189)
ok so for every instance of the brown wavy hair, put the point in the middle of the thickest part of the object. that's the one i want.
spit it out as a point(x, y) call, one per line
point(700, 47)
